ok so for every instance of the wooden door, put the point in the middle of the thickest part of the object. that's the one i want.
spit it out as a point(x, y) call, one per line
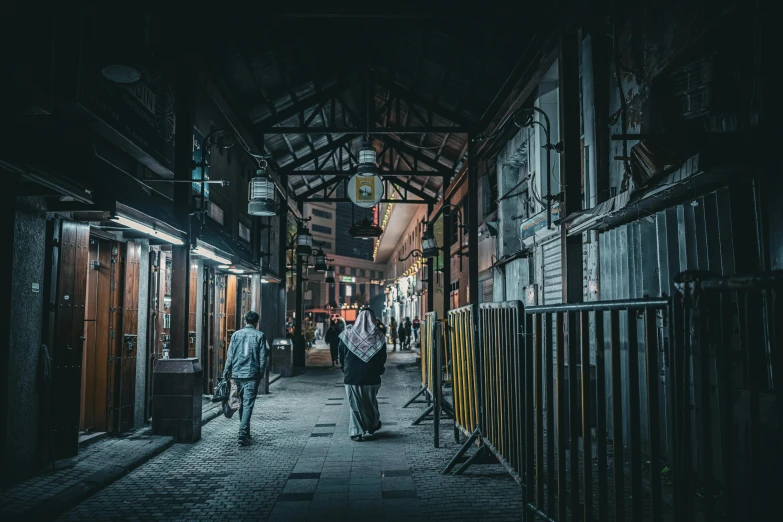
point(128, 342)
point(114, 335)
point(208, 353)
point(230, 307)
point(152, 327)
point(192, 319)
point(69, 254)
point(97, 332)
point(221, 289)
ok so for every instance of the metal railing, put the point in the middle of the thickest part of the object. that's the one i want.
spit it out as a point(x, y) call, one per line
point(430, 318)
point(560, 474)
point(488, 384)
point(727, 369)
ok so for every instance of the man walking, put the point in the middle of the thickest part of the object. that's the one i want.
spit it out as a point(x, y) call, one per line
point(245, 363)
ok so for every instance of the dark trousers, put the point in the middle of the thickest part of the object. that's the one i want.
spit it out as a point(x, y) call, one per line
point(333, 350)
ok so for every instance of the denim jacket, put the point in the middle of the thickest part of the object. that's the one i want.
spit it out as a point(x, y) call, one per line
point(246, 358)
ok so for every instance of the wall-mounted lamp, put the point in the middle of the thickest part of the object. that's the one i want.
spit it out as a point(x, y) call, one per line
point(261, 193)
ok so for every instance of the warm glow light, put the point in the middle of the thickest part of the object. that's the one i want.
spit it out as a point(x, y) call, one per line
point(236, 270)
point(201, 251)
point(224, 266)
point(146, 229)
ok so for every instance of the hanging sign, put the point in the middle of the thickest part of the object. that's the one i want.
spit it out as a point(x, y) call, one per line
point(538, 222)
point(365, 191)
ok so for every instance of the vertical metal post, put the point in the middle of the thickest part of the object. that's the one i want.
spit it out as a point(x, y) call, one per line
point(473, 270)
point(183, 158)
point(282, 261)
point(299, 345)
point(430, 275)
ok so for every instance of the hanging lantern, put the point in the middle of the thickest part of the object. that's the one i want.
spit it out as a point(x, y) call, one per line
point(304, 242)
point(367, 160)
point(329, 275)
point(320, 261)
point(261, 195)
point(428, 245)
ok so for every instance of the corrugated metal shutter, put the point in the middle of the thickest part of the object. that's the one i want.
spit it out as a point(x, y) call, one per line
point(553, 275)
point(487, 288)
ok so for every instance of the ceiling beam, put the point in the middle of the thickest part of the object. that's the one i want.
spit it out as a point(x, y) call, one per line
point(401, 146)
point(347, 200)
point(349, 173)
point(413, 190)
point(379, 129)
point(267, 125)
point(411, 97)
point(315, 190)
point(302, 160)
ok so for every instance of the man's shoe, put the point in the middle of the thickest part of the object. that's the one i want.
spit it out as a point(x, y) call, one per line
point(244, 441)
point(357, 438)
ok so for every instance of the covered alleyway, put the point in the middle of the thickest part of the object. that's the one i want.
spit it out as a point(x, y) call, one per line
point(303, 466)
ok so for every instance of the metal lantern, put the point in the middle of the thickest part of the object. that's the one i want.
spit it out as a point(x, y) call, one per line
point(367, 159)
point(329, 275)
point(320, 261)
point(261, 195)
point(304, 242)
point(428, 245)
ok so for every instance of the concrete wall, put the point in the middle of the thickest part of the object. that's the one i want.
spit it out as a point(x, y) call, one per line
point(25, 402)
point(141, 345)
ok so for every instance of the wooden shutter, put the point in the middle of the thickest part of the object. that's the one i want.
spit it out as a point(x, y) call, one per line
point(129, 340)
point(69, 255)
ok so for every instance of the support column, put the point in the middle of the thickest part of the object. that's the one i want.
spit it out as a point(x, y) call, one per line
point(8, 213)
point(473, 224)
point(282, 261)
point(430, 275)
point(183, 158)
point(446, 252)
point(299, 342)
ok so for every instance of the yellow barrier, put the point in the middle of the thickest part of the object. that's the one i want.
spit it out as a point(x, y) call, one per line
point(460, 340)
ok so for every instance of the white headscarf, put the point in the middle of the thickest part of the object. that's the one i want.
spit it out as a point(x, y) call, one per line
point(364, 339)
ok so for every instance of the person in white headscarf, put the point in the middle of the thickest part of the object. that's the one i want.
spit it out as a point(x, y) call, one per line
point(362, 354)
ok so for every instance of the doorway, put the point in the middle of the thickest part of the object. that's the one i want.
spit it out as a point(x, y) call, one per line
point(108, 370)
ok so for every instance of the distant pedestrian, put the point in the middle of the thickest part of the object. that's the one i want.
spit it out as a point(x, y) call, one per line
point(394, 335)
point(416, 329)
point(333, 338)
point(245, 363)
point(362, 357)
point(408, 333)
point(401, 333)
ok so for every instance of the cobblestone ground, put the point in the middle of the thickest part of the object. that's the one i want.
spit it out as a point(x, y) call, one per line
point(303, 466)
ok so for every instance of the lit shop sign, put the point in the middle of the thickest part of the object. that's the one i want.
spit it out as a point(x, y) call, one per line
point(348, 279)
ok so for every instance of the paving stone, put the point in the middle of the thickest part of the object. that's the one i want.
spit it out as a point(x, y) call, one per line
point(288, 475)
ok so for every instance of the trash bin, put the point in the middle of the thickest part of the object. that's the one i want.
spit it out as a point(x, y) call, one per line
point(283, 357)
point(176, 399)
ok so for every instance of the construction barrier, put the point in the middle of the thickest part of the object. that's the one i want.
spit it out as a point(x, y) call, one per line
point(427, 334)
point(433, 375)
point(728, 414)
point(488, 383)
point(602, 410)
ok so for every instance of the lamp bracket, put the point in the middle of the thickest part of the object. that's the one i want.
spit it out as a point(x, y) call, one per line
point(415, 253)
point(557, 147)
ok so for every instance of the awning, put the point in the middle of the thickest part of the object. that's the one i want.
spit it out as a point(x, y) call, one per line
point(216, 236)
point(681, 185)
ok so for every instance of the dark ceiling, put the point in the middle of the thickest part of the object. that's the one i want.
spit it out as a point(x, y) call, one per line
point(308, 71)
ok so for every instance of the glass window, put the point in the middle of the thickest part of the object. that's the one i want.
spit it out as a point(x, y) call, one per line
point(362, 273)
point(244, 232)
point(322, 213)
point(342, 269)
point(216, 213)
point(326, 244)
point(353, 271)
point(322, 229)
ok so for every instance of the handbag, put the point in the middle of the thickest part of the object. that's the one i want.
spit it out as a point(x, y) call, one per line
point(222, 390)
point(232, 402)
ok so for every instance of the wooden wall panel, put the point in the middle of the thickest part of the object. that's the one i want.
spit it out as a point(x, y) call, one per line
point(114, 338)
point(129, 339)
point(69, 338)
point(192, 319)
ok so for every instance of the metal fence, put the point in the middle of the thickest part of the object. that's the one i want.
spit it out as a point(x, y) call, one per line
point(727, 406)
point(430, 318)
point(579, 399)
point(639, 409)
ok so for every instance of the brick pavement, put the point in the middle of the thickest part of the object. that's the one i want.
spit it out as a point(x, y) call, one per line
point(303, 466)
